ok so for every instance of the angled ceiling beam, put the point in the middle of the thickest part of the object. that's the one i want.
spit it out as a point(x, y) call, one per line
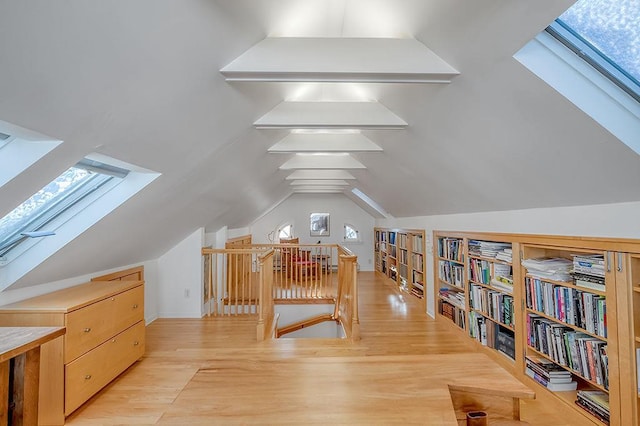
point(320, 174)
point(318, 191)
point(325, 142)
point(334, 182)
point(370, 60)
point(330, 115)
point(322, 161)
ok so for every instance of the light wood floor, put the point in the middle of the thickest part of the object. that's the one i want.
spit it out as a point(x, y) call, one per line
point(213, 372)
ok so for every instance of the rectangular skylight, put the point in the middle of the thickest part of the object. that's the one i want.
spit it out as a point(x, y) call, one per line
point(45, 205)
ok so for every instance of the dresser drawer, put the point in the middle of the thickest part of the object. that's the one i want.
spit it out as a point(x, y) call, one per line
point(92, 371)
point(93, 324)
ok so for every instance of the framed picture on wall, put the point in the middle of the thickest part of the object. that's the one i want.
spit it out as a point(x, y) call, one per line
point(319, 224)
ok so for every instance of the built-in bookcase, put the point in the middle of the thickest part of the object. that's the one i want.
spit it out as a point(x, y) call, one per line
point(452, 293)
point(561, 313)
point(399, 255)
point(491, 295)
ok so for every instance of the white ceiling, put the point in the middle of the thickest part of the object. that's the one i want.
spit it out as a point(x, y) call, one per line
point(139, 81)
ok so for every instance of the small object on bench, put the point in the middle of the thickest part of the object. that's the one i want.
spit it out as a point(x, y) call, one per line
point(477, 418)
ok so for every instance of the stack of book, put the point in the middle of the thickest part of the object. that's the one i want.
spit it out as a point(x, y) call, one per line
point(588, 271)
point(556, 269)
point(456, 298)
point(550, 375)
point(595, 402)
point(506, 255)
point(487, 248)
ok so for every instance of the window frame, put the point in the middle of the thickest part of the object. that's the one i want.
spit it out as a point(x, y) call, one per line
point(571, 39)
point(344, 234)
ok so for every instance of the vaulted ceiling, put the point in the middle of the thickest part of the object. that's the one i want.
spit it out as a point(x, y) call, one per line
point(140, 81)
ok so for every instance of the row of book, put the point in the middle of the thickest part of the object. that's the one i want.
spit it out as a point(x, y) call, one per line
point(571, 306)
point(595, 402)
point(495, 305)
point(491, 334)
point(403, 258)
point(392, 238)
point(416, 243)
point(549, 375)
point(482, 271)
point(584, 354)
point(402, 241)
point(451, 248)
point(453, 312)
point(417, 261)
point(451, 273)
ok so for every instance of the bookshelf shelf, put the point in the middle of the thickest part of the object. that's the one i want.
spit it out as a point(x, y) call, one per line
point(489, 259)
point(564, 324)
point(572, 371)
point(490, 287)
point(487, 316)
point(569, 285)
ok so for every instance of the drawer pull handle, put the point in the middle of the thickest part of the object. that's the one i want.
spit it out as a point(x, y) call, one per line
point(113, 299)
point(136, 343)
point(87, 377)
point(135, 306)
point(113, 341)
point(88, 329)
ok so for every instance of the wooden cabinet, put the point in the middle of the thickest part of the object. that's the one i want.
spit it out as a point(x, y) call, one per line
point(399, 255)
point(579, 317)
point(105, 335)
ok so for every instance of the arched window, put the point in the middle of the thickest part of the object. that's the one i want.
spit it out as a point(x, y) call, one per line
point(285, 231)
point(350, 233)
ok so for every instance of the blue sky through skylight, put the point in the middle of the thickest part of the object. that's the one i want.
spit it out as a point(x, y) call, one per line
point(611, 26)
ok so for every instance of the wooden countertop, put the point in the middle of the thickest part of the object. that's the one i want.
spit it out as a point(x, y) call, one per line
point(18, 340)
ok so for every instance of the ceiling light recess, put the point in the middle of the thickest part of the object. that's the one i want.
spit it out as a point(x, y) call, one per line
point(325, 142)
point(330, 115)
point(327, 59)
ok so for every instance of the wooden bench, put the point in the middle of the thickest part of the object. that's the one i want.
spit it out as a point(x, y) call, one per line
point(20, 355)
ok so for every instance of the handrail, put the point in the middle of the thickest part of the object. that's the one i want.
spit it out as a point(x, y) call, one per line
point(346, 308)
point(299, 325)
point(249, 279)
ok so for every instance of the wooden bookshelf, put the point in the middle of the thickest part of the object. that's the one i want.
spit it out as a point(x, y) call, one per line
point(399, 255)
point(452, 293)
point(588, 326)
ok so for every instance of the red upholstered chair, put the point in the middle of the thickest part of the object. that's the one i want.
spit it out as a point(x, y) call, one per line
point(298, 263)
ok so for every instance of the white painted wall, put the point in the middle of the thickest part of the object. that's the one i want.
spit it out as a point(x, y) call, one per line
point(150, 291)
point(607, 220)
point(296, 210)
point(180, 290)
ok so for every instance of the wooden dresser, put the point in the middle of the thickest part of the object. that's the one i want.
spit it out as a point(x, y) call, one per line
point(105, 335)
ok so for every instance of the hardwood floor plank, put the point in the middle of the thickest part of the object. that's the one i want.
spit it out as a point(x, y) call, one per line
point(212, 371)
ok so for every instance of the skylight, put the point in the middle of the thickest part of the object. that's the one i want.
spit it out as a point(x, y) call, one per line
point(606, 34)
point(54, 199)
